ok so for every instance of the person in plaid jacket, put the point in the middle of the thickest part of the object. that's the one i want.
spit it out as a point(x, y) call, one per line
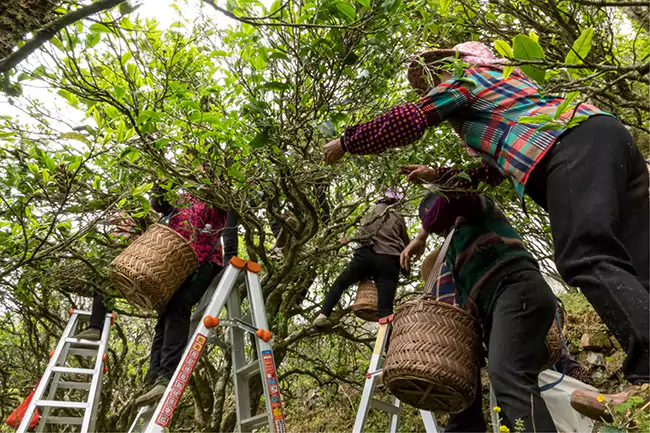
point(583, 167)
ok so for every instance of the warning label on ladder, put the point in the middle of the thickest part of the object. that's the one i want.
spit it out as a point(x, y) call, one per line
point(274, 391)
point(181, 380)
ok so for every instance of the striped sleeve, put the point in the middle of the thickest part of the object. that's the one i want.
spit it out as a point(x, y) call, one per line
point(402, 125)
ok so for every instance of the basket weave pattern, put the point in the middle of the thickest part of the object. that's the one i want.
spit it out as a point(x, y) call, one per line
point(149, 270)
point(365, 304)
point(433, 358)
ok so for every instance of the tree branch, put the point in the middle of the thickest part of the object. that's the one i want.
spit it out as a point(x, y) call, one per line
point(612, 3)
point(51, 29)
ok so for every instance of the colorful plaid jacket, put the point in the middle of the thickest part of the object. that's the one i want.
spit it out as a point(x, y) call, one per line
point(484, 110)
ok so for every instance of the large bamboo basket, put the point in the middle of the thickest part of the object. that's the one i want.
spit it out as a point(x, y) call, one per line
point(433, 357)
point(149, 270)
point(365, 305)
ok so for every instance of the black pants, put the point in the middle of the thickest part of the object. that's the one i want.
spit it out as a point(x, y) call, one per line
point(515, 327)
point(172, 329)
point(594, 185)
point(366, 264)
point(98, 313)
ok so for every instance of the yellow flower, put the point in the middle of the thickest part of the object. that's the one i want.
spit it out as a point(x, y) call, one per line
point(497, 409)
point(600, 398)
point(504, 429)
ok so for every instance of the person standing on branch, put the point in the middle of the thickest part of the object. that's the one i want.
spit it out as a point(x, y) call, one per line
point(590, 178)
point(382, 237)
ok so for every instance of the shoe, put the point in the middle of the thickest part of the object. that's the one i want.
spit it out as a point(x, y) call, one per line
point(582, 374)
point(92, 334)
point(154, 393)
point(322, 321)
point(596, 406)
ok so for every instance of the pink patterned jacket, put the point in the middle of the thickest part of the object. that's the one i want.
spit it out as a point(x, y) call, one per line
point(197, 222)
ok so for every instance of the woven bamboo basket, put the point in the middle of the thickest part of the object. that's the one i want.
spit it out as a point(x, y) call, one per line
point(365, 305)
point(427, 265)
point(149, 270)
point(433, 358)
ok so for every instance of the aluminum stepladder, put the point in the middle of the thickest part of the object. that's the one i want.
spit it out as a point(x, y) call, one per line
point(367, 399)
point(158, 419)
point(57, 370)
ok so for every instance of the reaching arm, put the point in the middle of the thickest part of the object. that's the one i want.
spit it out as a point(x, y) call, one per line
point(406, 123)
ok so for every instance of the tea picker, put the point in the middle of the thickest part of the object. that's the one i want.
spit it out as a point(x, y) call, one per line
point(156, 419)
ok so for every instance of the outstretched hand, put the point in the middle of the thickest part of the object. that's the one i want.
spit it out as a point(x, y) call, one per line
point(417, 173)
point(413, 250)
point(333, 151)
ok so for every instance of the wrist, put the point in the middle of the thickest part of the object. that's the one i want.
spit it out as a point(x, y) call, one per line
point(342, 142)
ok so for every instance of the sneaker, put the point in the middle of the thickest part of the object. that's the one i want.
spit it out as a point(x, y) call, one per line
point(594, 405)
point(322, 321)
point(92, 334)
point(154, 394)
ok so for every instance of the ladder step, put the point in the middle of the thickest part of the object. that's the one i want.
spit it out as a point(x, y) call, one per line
point(254, 422)
point(68, 420)
point(386, 407)
point(82, 352)
point(63, 404)
point(74, 385)
point(80, 342)
point(73, 370)
point(249, 370)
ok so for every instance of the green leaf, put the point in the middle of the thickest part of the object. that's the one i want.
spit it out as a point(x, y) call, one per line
point(92, 39)
point(540, 118)
point(74, 166)
point(46, 175)
point(126, 153)
point(119, 92)
point(550, 127)
point(580, 48)
point(49, 162)
point(577, 120)
point(364, 3)
point(347, 10)
point(275, 85)
point(503, 48)
point(524, 48)
point(533, 36)
point(57, 43)
point(146, 207)
point(99, 28)
point(464, 176)
point(507, 70)
point(97, 182)
point(33, 168)
point(75, 136)
point(260, 140)
point(444, 6)
point(564, 106)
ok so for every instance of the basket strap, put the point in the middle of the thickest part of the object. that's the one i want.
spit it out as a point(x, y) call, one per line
point(437, 266)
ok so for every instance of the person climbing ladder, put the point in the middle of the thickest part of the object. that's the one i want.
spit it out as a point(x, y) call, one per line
point(382, 237)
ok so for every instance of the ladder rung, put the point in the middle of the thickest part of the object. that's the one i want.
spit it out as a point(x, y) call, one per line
point(386, 407)
point(81, 342)
point(70, 420)
point(82, 352)
point(64, 404)
point(249, 370)
point(254, 422)
point(73, 370)
point(74, 385)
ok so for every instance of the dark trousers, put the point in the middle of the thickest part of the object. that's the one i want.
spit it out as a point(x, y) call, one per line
point(172, 330)
point(515, 328)
point(594, 185)
point(366, 264)
point(98, 313)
